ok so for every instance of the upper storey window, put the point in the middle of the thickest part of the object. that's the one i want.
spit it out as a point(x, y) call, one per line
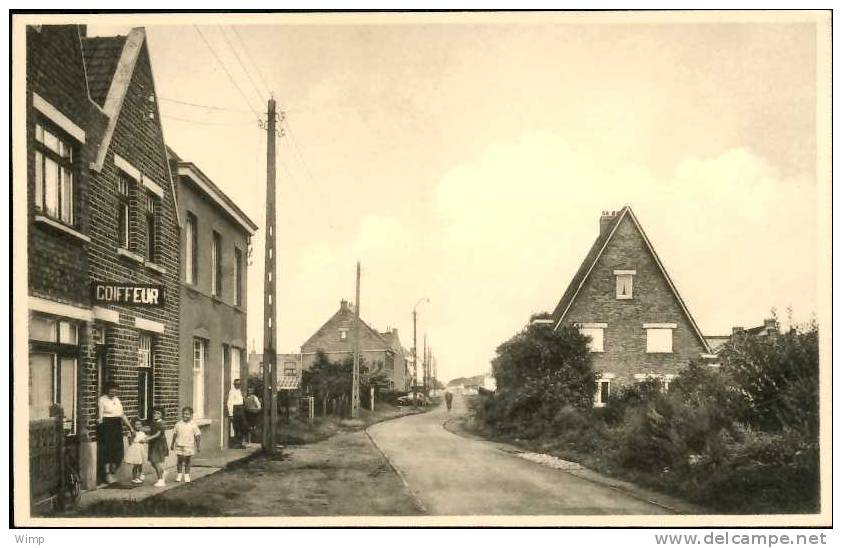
point(54, 192)
point(625, 283)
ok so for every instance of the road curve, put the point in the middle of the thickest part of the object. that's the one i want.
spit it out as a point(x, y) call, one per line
point(452, 475)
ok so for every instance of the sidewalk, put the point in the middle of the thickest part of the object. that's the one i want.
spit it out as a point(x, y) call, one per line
point(202, 465)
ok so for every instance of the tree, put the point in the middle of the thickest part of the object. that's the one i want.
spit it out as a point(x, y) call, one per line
point(778, 378)
point(540, 371)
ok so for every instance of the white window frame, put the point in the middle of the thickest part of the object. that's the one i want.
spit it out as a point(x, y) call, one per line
point(654, 329)
point(596, 344)
point(145, 365)
point(55, 153)
point(605, 378)
point(199, 354)
point(236, 364)
point(622, 275)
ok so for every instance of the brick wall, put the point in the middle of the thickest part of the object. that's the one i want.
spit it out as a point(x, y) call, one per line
point(653, 302)
point(138, 139)
point(54, 69)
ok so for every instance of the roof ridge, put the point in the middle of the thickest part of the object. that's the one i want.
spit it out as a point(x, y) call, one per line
point(593, 256)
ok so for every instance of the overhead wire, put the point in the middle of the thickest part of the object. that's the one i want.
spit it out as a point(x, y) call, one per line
point(248, 54)
point(198, 105)
point(224, 68)
point(240, 61)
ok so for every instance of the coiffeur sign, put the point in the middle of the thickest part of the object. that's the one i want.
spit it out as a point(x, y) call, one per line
point(127, 293)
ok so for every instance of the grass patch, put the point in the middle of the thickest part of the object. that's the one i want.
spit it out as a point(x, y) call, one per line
point(153, 506)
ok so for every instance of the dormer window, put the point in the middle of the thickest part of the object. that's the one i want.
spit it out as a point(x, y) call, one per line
point(625, 283)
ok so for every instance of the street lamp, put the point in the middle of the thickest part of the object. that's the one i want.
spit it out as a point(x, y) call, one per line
point(415, 346)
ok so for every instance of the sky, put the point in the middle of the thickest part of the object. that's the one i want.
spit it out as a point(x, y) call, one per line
point(466, 165)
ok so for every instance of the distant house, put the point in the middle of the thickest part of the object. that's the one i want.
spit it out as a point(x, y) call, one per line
point(288, 369)
point(623, 299)
point(770, 328)
point(381, 351)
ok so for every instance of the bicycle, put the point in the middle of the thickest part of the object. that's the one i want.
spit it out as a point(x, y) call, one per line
point(71, 482)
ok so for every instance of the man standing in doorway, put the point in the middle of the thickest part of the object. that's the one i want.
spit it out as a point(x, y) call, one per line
point(237, 413)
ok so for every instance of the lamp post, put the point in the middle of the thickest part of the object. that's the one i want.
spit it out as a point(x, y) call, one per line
point(415, 346)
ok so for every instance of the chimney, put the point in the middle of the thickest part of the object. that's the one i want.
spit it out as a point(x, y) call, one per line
point(605, 221)
point(343, 305)
point(771, 325)
point(735, 330)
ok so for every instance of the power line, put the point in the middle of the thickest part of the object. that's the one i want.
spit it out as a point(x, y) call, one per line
point(202, 123)
point(239, 60)
point(303, 162)
point(218, 60)
point(245, 49)
point(197, 105)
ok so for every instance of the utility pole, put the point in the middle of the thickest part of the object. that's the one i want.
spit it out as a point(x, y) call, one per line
point(355, 384)
point(270, 330)
point(426, 364)
point(414, 353)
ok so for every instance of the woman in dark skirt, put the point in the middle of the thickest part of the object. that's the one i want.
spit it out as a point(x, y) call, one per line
point(111, 420)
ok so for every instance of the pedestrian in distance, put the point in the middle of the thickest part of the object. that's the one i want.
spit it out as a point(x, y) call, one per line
point(157, 441)
point(110, 421)
point(448, 399)
point(253, 408)
point(186, 441)
point(237, 413)
point(136, 453)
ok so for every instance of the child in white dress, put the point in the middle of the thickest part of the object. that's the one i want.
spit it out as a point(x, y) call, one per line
point(136, 453)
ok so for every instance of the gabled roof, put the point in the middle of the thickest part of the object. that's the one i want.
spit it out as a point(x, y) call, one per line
point(102, 54)
point(374, 333)
point(593, 256)
point(209, 188)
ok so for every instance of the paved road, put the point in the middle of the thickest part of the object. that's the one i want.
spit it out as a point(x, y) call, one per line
point(453, 475)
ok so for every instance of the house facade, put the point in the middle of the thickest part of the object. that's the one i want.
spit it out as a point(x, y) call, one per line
point(336, 339)
point(134, 250)
point(215, 240)
point(102, 236)
point(623, 298)
point(63, 127)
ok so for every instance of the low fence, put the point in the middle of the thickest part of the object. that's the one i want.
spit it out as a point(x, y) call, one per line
point(46, 459)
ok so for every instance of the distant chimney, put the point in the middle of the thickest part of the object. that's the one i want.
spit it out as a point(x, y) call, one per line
point(605, 221)
point(343, 305)
point(735, 330)
point(771, 325)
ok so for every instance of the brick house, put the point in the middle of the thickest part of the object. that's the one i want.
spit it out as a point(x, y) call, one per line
point(134, 235)
point(102, 233)
point(63, 126)
point(216, 236)
point(381, 352)
point(623, 298)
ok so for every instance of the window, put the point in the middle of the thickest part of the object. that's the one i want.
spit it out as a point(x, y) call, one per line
point(343, 334)
point(290, 369)
point(144, 377)
point(216, 265)
point(198, 378)
point(659, 338)
point(123, 212)
point(53, 368)
point(625, 283)
point(235, 364)
point(191, 249)
point(54, 195)
point(238, 258)
point(151, 227)
point(603, 392)
point(596, 332)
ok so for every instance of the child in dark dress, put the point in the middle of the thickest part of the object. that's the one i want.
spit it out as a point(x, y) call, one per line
point(157, 441)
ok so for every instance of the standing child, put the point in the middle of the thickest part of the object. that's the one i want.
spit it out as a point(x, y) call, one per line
point(185, 441)
point(158, 445)
point(136, 453)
